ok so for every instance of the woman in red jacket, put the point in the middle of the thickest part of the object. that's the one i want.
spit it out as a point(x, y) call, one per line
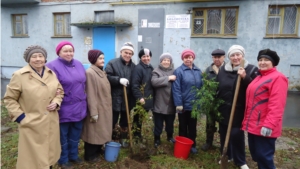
point(265, 102)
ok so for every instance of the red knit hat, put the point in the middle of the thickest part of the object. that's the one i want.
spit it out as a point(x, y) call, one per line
point(62, 44)
point(93, 55)
point(188, 52)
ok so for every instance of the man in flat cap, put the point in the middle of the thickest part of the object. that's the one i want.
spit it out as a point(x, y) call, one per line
point(218, 57)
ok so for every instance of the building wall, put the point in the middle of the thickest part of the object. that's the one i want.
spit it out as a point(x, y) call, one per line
point(251, 31)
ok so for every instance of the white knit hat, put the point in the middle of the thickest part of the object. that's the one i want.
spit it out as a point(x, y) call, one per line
point(234, 49)
point(129, 46)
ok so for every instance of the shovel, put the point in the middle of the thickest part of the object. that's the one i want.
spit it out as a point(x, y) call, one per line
point(224, 158)
point(128, 116)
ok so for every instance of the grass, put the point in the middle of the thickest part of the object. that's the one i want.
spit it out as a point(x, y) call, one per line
point(160, 158)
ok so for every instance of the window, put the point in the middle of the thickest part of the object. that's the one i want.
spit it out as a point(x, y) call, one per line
point(104, 16)
point(282, 20)
point(20, 25)
point(214, 22)
point(62, 25)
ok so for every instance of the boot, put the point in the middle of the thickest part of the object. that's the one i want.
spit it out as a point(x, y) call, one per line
point(156, 141)
point(124, 137)
point(170, 138)
point(209, 139)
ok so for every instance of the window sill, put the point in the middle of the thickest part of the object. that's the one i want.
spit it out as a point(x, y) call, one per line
point(20, 36)
point(281, 37)
point(66, 36)
point(219, 37)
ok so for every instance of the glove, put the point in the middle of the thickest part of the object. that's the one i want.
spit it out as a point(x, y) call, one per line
point(94, 119)
point(265, 131)
point(179, 109)
point(124, 82)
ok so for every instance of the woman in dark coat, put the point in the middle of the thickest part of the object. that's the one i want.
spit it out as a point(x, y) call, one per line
point(164, 109)
point(227, 78)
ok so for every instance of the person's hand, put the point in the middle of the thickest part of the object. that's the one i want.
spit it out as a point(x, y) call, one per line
point(265, 131)
point(172, 78)
point(52, 106)
point(242, 72)
point(58, 92)
point(142, 101)
point(94, 119)
point(179, 109)
point(124, 82)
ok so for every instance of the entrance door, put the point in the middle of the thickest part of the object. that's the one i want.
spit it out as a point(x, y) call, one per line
point(151, 32)
point(104, 40)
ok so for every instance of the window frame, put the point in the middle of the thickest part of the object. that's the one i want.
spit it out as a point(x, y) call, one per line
point(55, 35)
point(205, 18)
point(23, 34)
point(281, 23)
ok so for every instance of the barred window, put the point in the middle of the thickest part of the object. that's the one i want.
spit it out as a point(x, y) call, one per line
point(215, 21)
point(62, 25)
point(282, 20)
point(19, 22)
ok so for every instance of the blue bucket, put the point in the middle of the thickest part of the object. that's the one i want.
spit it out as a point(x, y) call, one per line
point(112, 150)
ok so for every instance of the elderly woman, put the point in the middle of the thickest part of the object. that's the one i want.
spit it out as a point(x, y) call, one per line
point(96, 129)
point(164, 109)
point(265, 102)
point(71, 75)
point(32, 101)
point(141, 75)
point(188, 76)
point(227, 78)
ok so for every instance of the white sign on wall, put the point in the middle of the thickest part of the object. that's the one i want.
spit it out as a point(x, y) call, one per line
point(178, 21)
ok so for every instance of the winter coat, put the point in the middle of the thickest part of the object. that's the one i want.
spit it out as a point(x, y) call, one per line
point(265, 102)
point(211, 73)
point(141, 75)
point(115, 70)
point(163, 99)
point(99, 103)
point(39, 140)
point(227, 83)
point(71, 75)
point(183, 87)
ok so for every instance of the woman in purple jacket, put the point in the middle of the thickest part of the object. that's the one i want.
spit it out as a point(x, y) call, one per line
point(71, 75)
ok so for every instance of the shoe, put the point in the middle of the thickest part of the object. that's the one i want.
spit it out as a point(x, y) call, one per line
point(124, 143)
point(65, 166)
point(230, 160)
point(206, 146)
point(94, 160)
point(171, 140)
point(194, 150)
point(156, 143)
point(244, 166)
point(76, 161)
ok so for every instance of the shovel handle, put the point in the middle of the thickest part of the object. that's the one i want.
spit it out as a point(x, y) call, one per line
point(128, 116)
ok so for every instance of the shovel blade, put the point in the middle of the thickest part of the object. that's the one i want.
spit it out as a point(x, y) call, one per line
point(224, 162)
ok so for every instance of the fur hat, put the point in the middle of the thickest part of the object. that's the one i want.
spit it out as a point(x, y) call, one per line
point(187, 52)
point(62, 44)
point(33, 49)
point(269, 54)
point(218, 52)
point(93, 55)
point(145, 51)
point(234, 49)
point(129, 46)
point(165, 56)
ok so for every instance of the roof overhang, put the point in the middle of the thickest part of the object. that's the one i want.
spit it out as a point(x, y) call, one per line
point(14, 3)
point(102, 24)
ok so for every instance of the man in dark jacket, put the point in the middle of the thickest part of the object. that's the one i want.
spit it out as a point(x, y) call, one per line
point(142, 76)
point(118, 73)
point(218, 57)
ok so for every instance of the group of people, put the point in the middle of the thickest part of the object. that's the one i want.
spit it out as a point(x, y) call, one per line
point(58, 103)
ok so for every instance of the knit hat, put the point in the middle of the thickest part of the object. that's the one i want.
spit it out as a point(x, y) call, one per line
point(187, 52)
point(269, 54)
point(129, 46)
point(145, 51)
point(33, 49)
point(165, 56)
point(93, 55)
point(218, 52)
point(62, 44)
point(234, 49)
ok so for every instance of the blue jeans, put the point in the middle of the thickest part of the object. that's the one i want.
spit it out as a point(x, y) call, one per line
point(262, 150)
point(69, 139)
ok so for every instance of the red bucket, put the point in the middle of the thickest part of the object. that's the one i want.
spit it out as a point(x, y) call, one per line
point(182, 147)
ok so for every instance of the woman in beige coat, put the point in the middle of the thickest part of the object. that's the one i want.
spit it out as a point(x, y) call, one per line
point(32, 99)
point(96, 128)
